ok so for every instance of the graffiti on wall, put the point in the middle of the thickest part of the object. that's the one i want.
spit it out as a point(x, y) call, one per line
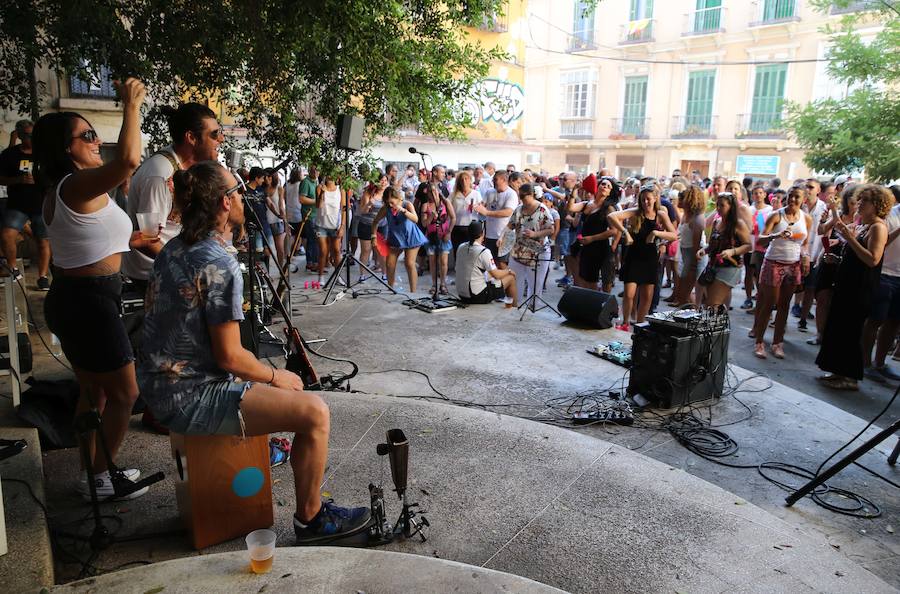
point(496, 100)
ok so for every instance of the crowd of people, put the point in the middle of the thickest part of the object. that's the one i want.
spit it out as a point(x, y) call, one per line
point(815, 247)
point(822, 246)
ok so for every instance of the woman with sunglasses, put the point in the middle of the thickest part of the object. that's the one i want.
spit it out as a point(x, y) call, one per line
point(729, 241)
point(596, 262)
point(533, 225)
point(787, 234)
point(858, 279)
point(648, 224)
point(88, 234)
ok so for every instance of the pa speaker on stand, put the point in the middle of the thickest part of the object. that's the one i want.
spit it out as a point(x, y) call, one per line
point(589, 308)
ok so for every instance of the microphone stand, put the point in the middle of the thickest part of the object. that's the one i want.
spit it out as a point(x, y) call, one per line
point(534, 297)
point(257, 325)
point(347, 260)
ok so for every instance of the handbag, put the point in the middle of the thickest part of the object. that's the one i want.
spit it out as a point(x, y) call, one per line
point(708, 275)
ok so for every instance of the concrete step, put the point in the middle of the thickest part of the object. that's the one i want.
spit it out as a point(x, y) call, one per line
point(316, 569)
point(28, 566)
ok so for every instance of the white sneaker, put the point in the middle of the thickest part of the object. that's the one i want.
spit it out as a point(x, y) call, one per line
point(131, 474)
point(507, 300)
point(104, 486)
point(301, 251)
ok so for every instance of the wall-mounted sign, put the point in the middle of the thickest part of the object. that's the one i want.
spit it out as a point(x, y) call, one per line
point(758, 164)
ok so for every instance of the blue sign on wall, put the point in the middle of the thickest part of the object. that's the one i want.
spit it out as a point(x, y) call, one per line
point(758, 164)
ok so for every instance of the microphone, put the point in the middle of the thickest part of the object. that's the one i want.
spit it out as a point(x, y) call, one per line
point(283, 164)
point(413, 151)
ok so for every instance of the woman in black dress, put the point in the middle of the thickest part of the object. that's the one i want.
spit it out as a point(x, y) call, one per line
point(857, 278)
point(648, 224)
point(595, 258)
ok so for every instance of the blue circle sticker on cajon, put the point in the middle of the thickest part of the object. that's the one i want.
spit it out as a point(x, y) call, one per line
point(248, 481)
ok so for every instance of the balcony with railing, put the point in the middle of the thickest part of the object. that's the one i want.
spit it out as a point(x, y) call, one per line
point(774, 12)
point(705, 21)
point(630, 128)
point(855, 7)
point(760, 125)
point(576, 128)
point(494, 23)
point(580, 41)
point(694, 126)
point(100, 87)
point(637, 32)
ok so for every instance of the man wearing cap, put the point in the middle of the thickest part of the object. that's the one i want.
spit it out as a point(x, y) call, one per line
point(24, 205)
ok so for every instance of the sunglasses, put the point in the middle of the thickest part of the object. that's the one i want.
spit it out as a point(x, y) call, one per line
point(216, 134)
point(89, 136)
point(239, 188)
point(725, 194)
point(810, 187)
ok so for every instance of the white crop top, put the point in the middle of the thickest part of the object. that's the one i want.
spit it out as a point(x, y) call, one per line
point(80, 239)
point(787, 251)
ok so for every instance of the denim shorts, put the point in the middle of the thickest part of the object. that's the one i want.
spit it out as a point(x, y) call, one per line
point(216, 411)
point(445, 247)
point(886, 300)
point(320, 232)
point(729, 275)
point(564, 241)
point(16, 219)
point(277, 227)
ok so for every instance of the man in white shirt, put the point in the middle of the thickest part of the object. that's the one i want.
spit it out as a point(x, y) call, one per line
point(410, 182)
point(478, 280)
point(196, 136)
point(499, 204)
point(884, 314)
point(487, 181)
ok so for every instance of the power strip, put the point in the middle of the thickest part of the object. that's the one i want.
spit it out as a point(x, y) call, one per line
point(617, 417)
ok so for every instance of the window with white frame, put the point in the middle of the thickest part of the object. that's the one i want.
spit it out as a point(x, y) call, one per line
point(578, 91)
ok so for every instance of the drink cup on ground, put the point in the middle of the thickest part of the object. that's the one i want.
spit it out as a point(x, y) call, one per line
point(261, 546)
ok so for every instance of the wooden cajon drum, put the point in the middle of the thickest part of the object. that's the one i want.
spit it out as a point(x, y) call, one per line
point(223, 486)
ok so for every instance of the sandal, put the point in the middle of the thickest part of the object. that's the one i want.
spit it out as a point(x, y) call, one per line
point(760, 350)
point(814, 341)
point(778, 350)
point(837, 382)
point(444, 290)
point(751, 334)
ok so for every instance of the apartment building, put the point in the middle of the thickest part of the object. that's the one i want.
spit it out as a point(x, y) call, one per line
point(497, 127)
point(644, 87)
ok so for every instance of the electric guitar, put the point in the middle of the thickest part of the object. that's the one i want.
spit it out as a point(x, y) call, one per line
point(297, 359)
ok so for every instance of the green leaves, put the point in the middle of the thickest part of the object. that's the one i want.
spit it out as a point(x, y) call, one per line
point(862, 130)
point(284, 70)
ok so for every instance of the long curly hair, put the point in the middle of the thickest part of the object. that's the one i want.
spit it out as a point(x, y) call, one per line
point(197, 194)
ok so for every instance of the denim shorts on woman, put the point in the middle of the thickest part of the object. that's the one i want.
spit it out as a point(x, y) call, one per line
point(434, 247)
point(85, 313)
point(216, 411)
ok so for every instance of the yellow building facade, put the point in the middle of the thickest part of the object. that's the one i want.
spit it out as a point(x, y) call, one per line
point(497, 129)
point(644, 87)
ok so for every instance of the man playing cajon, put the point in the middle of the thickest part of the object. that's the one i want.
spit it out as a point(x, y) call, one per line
point(194, 352)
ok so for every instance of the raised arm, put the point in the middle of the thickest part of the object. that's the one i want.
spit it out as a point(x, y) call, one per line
point(87, 184)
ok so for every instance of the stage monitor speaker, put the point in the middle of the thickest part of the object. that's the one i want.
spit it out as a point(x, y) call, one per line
point(671, 369)
point(349, 132)
point(589, 307)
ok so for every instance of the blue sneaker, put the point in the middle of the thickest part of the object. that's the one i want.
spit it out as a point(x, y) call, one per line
point(331, 523)
point(564, 282)
point(795, 310)
point(561, 279)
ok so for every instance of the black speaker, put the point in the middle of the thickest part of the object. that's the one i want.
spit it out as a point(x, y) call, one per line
point(349, 132)
point(591, 308)
point(671, 368)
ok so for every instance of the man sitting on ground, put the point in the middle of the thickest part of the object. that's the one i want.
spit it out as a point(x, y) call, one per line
point(194, 355)
point(478, 280)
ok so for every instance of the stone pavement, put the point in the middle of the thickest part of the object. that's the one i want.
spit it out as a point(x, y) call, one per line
point(500, 496)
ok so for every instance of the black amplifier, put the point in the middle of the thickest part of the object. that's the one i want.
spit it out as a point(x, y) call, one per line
point(671, 368)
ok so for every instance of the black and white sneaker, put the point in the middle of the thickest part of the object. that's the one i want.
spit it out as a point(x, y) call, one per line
point(43, 283)
point(16, 274)
point(105, 489)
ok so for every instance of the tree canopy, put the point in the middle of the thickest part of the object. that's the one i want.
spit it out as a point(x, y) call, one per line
point(862, 130)
point(284, 69)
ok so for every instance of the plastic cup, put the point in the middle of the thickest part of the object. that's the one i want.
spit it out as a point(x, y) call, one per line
point(261, 546)
point(150, 223)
